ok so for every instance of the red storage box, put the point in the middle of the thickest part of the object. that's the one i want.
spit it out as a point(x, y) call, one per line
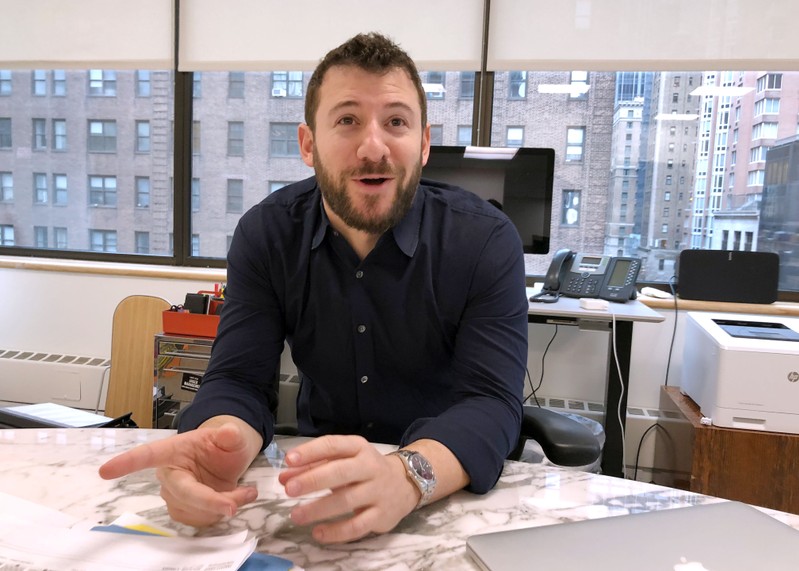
point(190, 324)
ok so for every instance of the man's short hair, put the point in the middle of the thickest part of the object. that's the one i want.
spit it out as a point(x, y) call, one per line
point(370, 52)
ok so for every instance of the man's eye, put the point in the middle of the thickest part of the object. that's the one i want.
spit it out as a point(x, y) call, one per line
point(346, 121)
point(397, 122)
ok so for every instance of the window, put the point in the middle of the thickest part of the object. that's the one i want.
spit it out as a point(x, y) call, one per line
point(769, 81)
point(517, 85)
point(436, 134)
point(668, 179)
point(60, 238)
point(275, 185)
point(6, 187)
point(235, 85)
point(40, 236)
point(103, 192)
point(467, 84)
point(6, 235)
point(142, 240)
point(39, 83)
point(283, 140)
point(287, 84)
point(196, 139)
point(102, 83)
point(514, 136)
point(40, 193)
point(575, 139)
point(235, 139)
point(143, 83)
point(5, 83)
point(579, 85)
point(758, 154)
point(570, 210)
point(667, 196)
point(197, 85)
point(59, 135)
point(142, 136)
point(102, 137)
point(434, 85)
point(195, 244)
point(464, 135)
point(765, 130)
point(60, 189)
point(142, 192)
point(195, 195)
point(59, 83)
point(767, 105)
point(235, 196)
point(102, 240)
point(39, 142)
point(5, 133)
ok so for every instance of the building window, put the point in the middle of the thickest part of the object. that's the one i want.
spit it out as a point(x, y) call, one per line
point(103, 192)
point(60, 189)
point(142, 136)
point(514, 136)
point(434, 86)
point(39, 142)
point(517, 85)
point(195, 138)
point(6, 235)
point(102, 136)
point(668, 179)
point(142, 192)
point(570, 210)
point(59, 134)
point(579, 85)
point(575, 141)
point(39, 82)
point(197, 85)
point(235, 196)
point(667, 196)
point(235, 85)
point(235, 138)
point(768, 105)
point(467, 84)
point(6, 87)
point(664, 229)
point(40, 193)
point(102, 240)
point(5, 133)
point(59, 83)
point(436, 134)
point(40, 236)
point(275, 185)
point(143, 83)
point(287, 84)
point(6, 187)
point(60, 238)
point(102, 83)
point(765, 130)
point(464, 135)
point(142, 240)
point(195, 194)
point(769, 81)
point(195, 244)
point(283, 140)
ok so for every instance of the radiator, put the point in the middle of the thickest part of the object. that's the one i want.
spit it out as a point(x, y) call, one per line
point(29, 377)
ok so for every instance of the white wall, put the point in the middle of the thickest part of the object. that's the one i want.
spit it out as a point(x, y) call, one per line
point(60, 312)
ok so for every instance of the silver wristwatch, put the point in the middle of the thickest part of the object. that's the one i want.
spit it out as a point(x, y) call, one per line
point(420, 472)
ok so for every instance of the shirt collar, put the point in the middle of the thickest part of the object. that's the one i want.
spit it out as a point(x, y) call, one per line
point(406, 232)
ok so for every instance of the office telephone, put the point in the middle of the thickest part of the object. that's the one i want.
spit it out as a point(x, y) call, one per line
point(589, 275)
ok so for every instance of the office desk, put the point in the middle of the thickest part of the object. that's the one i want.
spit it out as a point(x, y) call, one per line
point(58, 468)
point(567, 311)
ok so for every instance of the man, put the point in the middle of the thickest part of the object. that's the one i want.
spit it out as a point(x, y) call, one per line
point(404, 307)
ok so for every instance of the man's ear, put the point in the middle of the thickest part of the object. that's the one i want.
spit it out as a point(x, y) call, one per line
point(425, 144)
point(305, 138)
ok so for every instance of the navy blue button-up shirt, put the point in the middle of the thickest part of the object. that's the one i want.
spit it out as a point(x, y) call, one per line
point(424, 338)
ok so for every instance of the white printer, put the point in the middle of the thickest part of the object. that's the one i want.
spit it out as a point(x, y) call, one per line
point(743, 370)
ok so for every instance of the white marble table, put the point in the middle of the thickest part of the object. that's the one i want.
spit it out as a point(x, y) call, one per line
point(58, 468)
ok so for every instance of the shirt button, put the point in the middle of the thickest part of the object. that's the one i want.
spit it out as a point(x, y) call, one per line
point(359, 274)
point(364, 379)
point(361, 328)
point(370, 425)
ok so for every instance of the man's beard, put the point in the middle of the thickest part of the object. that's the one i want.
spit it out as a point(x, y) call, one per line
point(367, 220)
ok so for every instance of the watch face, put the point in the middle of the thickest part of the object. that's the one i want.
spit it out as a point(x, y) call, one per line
point(421, 466)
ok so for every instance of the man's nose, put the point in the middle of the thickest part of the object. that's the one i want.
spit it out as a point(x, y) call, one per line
point(373, 145)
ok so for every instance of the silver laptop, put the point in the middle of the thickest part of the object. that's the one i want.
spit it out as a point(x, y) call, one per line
point(726, 536)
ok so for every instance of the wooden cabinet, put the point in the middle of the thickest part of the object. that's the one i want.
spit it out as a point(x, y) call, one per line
point(760, 468)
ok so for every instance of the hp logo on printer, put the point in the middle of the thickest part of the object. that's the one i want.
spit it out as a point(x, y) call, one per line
point(793, 376)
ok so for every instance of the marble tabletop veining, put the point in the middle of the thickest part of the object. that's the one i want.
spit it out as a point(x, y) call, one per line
point(57, 468)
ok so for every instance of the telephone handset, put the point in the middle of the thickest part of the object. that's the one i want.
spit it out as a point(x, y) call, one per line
point(588, 275)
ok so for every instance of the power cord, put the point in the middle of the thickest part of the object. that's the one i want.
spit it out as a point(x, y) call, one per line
point(534, 389)
point(621, 391)
point(674, 329)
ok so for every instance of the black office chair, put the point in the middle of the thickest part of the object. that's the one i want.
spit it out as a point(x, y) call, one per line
point(564, 441)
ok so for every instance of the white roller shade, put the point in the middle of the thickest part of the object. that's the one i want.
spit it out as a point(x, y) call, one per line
point(643, 34)
point(118, 34)
point(295, 34)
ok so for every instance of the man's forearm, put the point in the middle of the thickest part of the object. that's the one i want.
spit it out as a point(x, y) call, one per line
point(450, 475)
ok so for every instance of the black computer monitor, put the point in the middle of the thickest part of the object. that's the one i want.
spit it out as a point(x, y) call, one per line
point(518, 179)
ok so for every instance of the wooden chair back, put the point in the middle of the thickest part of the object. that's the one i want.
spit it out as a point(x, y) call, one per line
point(136, 320)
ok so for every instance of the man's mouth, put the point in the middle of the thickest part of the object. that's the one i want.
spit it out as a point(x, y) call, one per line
point(373, 180)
